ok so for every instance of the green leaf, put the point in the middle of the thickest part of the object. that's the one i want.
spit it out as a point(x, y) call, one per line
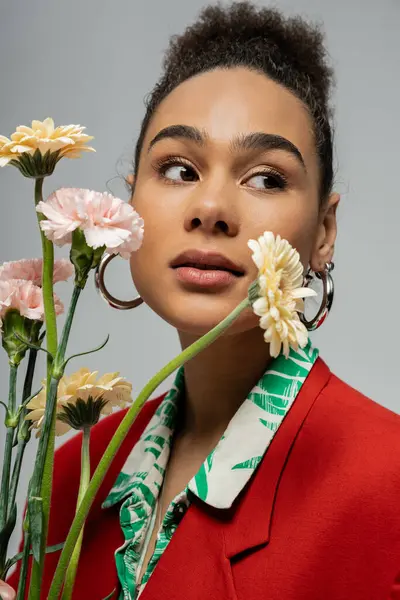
point(6, 532)
point(48, 550)
point(35, 510)
point(87, 352)
point(14, 559)
point(22, 406)
point(33, 346)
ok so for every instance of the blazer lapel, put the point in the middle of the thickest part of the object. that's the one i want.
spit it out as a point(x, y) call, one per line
point(194, 565)
point(251, 523)
point(197, 561)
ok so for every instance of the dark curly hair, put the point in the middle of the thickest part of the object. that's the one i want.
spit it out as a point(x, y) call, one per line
point(289, 51)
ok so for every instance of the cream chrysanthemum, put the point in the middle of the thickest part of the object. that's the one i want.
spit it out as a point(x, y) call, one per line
point(7, 152)
point(100, 395)
point(43, 136)
point(36, 150)
point(280, 293)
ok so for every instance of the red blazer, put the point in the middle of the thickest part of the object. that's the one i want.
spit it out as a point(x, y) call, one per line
point(319, 520)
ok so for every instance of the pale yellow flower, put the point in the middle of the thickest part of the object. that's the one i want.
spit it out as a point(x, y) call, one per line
point(280, 293)
point(43, 136)
point(111, 389)
point(6, 151)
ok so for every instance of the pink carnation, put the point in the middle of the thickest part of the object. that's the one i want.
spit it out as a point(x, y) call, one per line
point(65, 212)
point(105, 220)
point(30, 269)
point(26, 298)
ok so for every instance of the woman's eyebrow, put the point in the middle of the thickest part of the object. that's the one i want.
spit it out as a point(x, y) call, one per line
point(251, 141)
point(179, 131)
point(267, 141)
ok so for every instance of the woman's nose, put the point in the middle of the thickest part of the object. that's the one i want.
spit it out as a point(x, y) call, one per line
point(213, 213)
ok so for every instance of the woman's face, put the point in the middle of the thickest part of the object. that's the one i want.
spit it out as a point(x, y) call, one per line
point(228, 155)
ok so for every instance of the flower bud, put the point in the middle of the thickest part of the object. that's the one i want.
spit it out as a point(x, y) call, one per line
point(83, 257)
point(28, 329)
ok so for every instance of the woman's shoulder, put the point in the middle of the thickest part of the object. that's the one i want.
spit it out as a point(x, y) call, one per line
point(347, 401)
point(354, 428)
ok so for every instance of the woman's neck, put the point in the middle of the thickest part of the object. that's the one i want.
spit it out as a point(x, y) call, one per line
point(218, 380)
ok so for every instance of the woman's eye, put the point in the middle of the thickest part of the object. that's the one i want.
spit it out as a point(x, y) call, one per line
point(266, 181)
point(180, 173)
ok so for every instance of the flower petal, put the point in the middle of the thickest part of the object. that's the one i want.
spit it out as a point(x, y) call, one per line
point(303, 292)
point(281, 292)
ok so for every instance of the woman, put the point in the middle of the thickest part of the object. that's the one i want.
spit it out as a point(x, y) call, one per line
point(254, 477)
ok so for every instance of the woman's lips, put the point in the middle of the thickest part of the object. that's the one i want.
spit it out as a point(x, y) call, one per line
point(206, 278)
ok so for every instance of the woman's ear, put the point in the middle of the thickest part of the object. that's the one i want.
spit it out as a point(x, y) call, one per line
point(326, 234)
point(130, 181)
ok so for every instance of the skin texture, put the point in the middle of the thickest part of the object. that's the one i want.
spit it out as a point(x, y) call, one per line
point(220, 209)
point(224, 104)
point(219, 204)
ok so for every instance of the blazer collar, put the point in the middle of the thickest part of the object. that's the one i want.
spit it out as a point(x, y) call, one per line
point(230, 466)
point(224, 534)
point(243, 531)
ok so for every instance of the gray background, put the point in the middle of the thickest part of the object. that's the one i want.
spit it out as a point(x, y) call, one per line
point(93, 62)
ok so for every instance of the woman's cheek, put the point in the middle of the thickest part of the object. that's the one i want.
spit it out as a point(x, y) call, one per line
point(140, 276)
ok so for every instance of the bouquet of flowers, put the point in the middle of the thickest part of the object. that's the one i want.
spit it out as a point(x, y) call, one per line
point(93, 225)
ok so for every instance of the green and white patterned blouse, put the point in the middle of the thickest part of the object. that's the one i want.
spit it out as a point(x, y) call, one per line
point(219, 480)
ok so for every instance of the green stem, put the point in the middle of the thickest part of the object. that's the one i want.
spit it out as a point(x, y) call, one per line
point(41, 471)
point(58, 370)
point(51, 397)
point(5, 476)
point(16, 474)
point(23, 438)
point(120, 435)
point(51, 339)
point(30, 371)
point(43, 475)
point(23, 429)
point(84, 482)
point(47, 278)
point(23, 575)
point(6, 470)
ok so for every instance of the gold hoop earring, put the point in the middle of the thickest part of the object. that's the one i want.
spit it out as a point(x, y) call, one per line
point(103, 291)
point(328, 287)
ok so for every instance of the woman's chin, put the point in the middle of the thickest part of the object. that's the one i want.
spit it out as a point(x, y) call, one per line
point(198, 316)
